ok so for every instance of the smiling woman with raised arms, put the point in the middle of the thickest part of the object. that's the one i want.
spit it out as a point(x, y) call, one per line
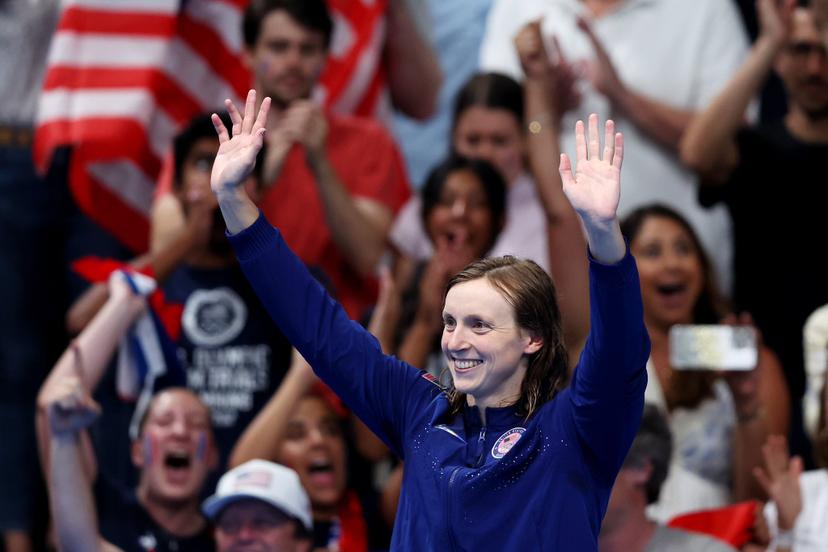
point(509, 457)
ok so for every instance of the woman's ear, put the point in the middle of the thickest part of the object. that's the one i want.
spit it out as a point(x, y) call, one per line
point(533, 344)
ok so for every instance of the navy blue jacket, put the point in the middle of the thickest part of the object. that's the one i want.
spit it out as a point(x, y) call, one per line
point(515, 484)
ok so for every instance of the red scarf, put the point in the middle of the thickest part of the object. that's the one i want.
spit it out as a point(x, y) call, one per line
point(353, 536)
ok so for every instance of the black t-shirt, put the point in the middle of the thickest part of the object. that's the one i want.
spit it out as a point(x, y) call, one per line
point(234, 355)
point(778, 199)
point(125, 523)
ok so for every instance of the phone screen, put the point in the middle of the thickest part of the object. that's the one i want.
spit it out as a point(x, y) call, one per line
point(713, 347)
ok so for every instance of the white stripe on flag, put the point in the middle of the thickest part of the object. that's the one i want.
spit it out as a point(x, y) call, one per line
point(163, 7)
point(191, 73)
point(127, 103)
point(224, 19)
point(102, 50)
point(127, 181)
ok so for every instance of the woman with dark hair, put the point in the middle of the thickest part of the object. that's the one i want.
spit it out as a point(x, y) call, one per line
point(719, 423)
point(463, 210)
point(488, 124)
point(506, 457)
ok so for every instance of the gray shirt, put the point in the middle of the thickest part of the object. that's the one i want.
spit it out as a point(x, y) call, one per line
point(26, 28)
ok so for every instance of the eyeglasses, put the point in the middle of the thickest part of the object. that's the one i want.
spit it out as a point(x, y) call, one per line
point(801, 51)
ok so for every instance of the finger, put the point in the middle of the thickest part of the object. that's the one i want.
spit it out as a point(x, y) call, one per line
point(618, 156)
point(728, 320)
point(557, 52)
point(593, 137)
point(580, 142)
point(609, 143)
point(261, 118)
point(565, 168)
point(763, 480)
point(249, 110)
point(235, 116)
point(221, 130)
point(796, 466)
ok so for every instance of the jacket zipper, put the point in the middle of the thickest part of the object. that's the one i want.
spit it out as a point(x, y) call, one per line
point(481, 443)
point(450, 517)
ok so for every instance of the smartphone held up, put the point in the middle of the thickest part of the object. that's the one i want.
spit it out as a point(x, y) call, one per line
point(713, 347)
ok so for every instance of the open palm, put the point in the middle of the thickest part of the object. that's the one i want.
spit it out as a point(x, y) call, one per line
point(594, 187)
point(237, 152)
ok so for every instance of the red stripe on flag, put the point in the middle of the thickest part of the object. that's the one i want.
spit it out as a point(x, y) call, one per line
point(209, 45)
point(105, 207)
point(87, 20)
point(175, 101)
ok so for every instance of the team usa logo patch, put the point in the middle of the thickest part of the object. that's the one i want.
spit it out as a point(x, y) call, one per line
point(506, 441)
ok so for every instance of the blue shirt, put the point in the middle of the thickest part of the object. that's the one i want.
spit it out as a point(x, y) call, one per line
point(514, 484)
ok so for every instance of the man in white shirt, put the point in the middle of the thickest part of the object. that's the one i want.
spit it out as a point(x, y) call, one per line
point(648, 64)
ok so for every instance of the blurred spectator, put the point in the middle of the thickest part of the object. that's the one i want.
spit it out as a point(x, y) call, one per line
point(649, 66)
point(260, 506)
point(455, 32)
point(174, 450)
point(380, 58)
point(626, 527)
point(232, 352)
point(335, 182)
point(718, 423)
point(300, 429)
point(742, 168)
point(488, 124)
point(32, 298)
point(233, 355)
point(799, 501)
point(462, 210)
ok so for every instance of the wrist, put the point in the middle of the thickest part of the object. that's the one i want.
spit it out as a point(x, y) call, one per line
point(549, 121)
point(784, 538)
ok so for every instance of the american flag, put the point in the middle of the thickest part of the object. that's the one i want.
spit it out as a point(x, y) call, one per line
point(125, 75)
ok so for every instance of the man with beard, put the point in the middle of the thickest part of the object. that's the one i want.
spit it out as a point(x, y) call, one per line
point(234, 356)
point(334, 182)
point(772, 179)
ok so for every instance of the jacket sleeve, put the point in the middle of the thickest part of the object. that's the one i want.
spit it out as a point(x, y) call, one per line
point(607, 389)
point(378, 388)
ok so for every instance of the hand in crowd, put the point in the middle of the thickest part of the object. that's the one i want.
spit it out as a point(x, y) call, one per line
point(780, 480)
point(555, 70)
point(775, 19)
point(744, 385)
point(236, 156)
point(304, 123)
point(69, 405)
point(594, 188)
point(601, 71)
point(450, 257)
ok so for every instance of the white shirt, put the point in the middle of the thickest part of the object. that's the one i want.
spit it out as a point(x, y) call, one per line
point(524, 234)
point(677, 52)
point(701, 466)
point(811, 529)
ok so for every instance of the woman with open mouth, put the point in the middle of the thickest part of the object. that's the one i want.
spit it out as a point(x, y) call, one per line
point(507, 456)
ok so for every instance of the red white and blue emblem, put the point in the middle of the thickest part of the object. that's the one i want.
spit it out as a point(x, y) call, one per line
point(506, 441)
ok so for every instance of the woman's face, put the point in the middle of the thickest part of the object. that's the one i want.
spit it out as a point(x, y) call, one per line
point(315, 447)
point(670, 270)
point(462, 219)
point(485, 348)
point(494, 135)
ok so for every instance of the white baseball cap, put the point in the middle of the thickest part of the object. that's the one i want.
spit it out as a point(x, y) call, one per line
point(272, 483)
